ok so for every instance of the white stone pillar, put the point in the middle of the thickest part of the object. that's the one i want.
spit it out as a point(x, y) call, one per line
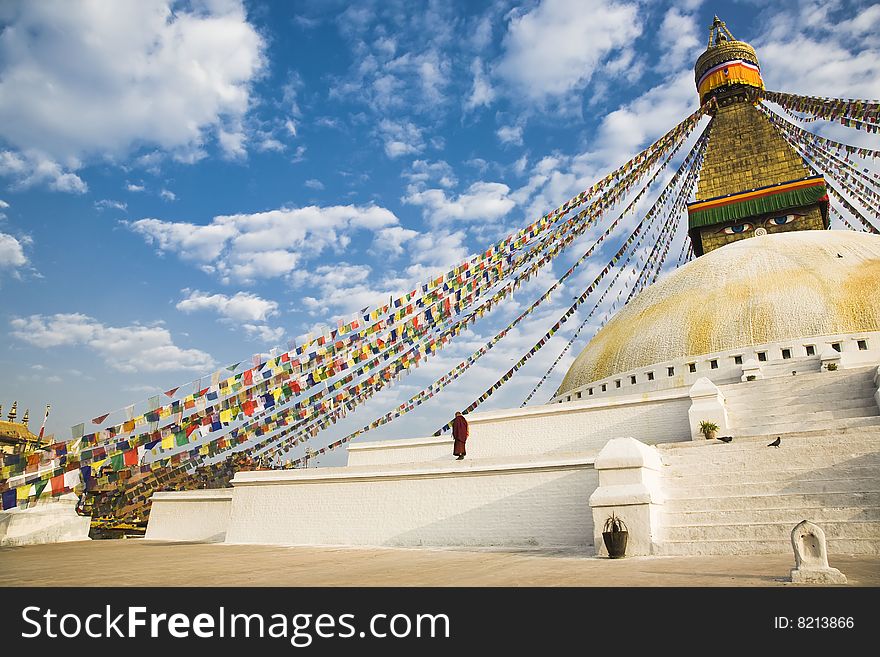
point(830, 356)
point(707, 405)
point(629, 487)
point(751, 371)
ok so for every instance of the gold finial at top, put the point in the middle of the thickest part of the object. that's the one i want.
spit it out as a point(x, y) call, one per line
point(719, 33)
point(26, 417)
point(13, 412)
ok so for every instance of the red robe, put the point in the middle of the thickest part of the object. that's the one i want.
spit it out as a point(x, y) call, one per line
point(460, 434)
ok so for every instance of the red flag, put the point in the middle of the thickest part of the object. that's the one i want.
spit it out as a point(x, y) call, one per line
point(100, 418)
point(131, 457)
point(170, 393)
point(57, 483)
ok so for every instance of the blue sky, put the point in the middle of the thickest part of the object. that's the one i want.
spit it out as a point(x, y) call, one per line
point(186, 184)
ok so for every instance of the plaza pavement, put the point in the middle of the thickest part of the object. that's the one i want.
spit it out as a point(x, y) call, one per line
point(133, 563)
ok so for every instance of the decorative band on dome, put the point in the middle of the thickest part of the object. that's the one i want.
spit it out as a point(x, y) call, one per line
point(756, 202)
point(737, 71)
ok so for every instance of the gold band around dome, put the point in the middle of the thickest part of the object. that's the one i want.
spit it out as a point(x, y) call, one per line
point(724, 52)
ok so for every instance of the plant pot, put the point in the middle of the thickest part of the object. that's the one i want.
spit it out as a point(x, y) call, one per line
point(710, 435)
point(615, 543)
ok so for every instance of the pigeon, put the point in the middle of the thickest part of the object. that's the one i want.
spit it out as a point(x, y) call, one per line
point(839, 256)
point(725, 439)
point(776, 442)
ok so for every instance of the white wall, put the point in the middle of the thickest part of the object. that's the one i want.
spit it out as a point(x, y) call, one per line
point(582, 427)
point(51, 520)
point(194, 515)
point(462, 504)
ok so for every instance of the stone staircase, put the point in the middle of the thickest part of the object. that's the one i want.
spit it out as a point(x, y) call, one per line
point(807, 401)
point(744, 497)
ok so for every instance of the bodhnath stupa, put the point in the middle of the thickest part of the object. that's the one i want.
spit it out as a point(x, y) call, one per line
point(770, 333)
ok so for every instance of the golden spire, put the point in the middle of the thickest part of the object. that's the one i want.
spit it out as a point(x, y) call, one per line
point(12, 412)
point(24, 420)
point(719, 32)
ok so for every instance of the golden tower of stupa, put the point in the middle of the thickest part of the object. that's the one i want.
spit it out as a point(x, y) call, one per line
point(752, 182)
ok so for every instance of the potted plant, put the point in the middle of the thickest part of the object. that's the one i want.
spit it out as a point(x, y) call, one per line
point(831, 367)
point(614, 533)
point(708, 429)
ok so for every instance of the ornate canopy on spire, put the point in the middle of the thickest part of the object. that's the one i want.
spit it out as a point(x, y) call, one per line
point(725, 63)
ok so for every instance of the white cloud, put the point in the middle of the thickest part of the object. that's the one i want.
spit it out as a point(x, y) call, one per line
point(483, 201)
point(268, 244)
point(3, 204)
point(556, 47)
point(242, 306)
point(99, 80)
point(167, 195)
point(804, 52)
point(31, 167)
point(264, 334)
point(126, 349)
point(510, 134)
point(401, 138)
point(11, 252)
point(313, 183)
point(131, 187)
point(423, 171)
point(678, 37)
point(342, 287)
point(482, 93)
point(391, 240)
point(108, 204)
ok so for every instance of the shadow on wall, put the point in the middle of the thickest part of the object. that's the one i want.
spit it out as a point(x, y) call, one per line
point(555, 514)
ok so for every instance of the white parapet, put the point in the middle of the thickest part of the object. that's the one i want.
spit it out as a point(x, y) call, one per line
point(53, 520)
point(192, 515)
point(707, 405)
point(410, 450)
point(539, 502)
point(583, 426)
point(629, 487)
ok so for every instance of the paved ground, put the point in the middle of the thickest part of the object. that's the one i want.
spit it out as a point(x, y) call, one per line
point(133, 563)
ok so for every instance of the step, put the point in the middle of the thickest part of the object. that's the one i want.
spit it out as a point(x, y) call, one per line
point(788, 452)
point(839, 435)
point(772, 399)
point(836, 546)
point(796, 386)
point(788, 516)
point(773, 531)
point(866, 403)
point(803, 486)
point(790, 448)
point(743, 420)
point(773, 501)
point(806, 425)
point(677, 480)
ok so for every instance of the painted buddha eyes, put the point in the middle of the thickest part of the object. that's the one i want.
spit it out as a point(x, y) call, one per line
point(739, 229)
point(781, 221)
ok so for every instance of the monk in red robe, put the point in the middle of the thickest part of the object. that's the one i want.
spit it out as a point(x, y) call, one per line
point(460, 435)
